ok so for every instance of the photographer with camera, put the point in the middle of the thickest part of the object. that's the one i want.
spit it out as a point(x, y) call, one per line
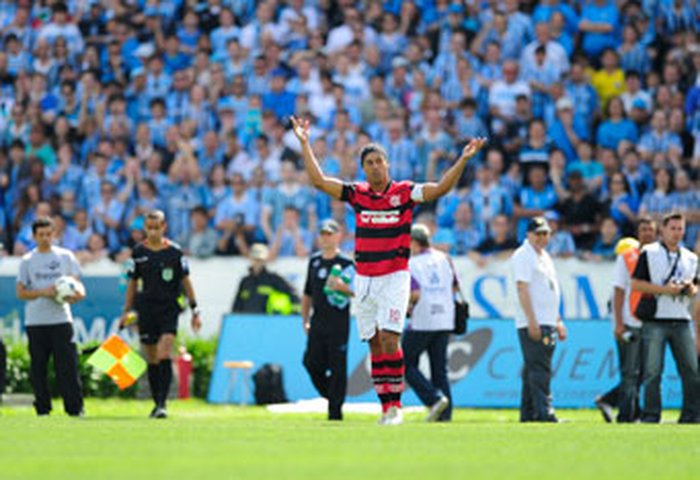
point(667, 276)
point(627, 328)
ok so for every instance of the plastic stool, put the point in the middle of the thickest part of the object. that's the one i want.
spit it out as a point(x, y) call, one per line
point(237, 368)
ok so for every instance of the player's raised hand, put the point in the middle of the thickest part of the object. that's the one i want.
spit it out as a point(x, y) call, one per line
point(473, 147)
point(301, 128)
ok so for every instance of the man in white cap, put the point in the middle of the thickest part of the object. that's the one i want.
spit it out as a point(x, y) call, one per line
point(537, 320)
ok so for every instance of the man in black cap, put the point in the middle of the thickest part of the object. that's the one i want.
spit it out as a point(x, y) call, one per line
point(537, 320)
point(325, 311)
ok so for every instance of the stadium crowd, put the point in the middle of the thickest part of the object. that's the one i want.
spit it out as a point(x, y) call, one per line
point(111, 108)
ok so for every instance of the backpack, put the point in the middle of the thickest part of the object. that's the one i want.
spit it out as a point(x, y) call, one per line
point(269, 387)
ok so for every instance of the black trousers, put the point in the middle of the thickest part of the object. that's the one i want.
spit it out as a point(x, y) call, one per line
point(414, 343)
point(3, 366)
point(57, 341)
point(536, 400)
point(326, 360)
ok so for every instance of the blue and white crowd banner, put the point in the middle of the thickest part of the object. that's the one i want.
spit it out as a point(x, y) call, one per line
point(585, 287)
point(484, 364)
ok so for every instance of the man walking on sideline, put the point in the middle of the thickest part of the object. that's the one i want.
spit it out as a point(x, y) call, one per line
point(383, 215)
point(158, 272)
point(669, 272)
point(537, 320)
point(432, 319)
point(325, 311)
point(628, 329)
point(49, 323)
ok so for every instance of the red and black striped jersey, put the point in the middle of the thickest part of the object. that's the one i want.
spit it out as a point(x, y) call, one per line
point(382, 225)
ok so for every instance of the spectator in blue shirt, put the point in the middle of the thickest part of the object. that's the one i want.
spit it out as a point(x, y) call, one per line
point(468, 124)
point(466, 235)
point(617, 127)
point(291, 239)
point(659, 139)
point(604, 247)
point(599, 23)
point(546, 9)
point(658, 202)
point(278, 99)
point(488, 199)
point(686, 199)
point(237, 218)
point(534, 199)
point(633, 54)
point(584, 97)
point(568, 130)
point(638, 174)
point(188, 34)
point(173, 56)
point(561, 242)
point(623, 206)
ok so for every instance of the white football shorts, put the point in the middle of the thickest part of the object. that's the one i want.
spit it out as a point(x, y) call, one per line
point(381, 302)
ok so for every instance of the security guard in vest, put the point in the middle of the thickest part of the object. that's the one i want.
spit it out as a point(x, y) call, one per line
point(628, 329)
point(263, 291)
point(325, 312)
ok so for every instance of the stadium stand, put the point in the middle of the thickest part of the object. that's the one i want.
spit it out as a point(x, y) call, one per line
point(111, 108)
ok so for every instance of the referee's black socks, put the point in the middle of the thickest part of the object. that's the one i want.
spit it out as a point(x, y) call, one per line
point(166, 378)
point(154, 380)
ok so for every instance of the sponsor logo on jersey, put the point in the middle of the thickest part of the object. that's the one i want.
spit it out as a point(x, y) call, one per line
point(380, 217)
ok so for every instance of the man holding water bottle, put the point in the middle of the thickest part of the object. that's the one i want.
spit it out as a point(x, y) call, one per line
point(325, 311)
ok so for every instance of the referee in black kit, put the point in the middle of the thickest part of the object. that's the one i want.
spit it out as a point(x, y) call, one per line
point(325, 311)
point(158, 272)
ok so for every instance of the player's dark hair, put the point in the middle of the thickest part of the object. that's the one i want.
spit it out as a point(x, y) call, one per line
point(42, 222)
point(672, 216)
point(645, 220)
point(372, 148)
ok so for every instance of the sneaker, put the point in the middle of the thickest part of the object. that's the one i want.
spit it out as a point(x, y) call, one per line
point(605, 409)
point(153, 412)
point(160, 412)
point(394, 416)
point(437, 408)
point(382, 419)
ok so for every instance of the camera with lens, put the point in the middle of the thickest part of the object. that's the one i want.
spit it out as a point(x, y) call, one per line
point(629, 336)
point(685, 288)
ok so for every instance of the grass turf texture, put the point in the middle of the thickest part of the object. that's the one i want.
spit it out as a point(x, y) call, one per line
point(200, 441)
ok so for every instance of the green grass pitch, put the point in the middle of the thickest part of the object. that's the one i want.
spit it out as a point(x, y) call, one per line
point(116, 441)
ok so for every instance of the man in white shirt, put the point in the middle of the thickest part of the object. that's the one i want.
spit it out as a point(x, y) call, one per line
point(669, 272)
point(556, 56)
point(433, 283)
point(50, 323)
point(537, 320)
point(502, 95)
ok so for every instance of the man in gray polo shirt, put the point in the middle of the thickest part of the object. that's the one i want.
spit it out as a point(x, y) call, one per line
point(49, 323)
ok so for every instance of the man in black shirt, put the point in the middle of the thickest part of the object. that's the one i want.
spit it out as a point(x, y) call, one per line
point(498, 245)
point(158, 273)
point(325, 311)
point(580, 212)
point(263, 291)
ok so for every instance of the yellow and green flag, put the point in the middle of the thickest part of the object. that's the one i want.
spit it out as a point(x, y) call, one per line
point(118, 361)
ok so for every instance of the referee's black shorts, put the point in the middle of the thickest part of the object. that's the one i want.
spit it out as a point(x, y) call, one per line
point(155, 320)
